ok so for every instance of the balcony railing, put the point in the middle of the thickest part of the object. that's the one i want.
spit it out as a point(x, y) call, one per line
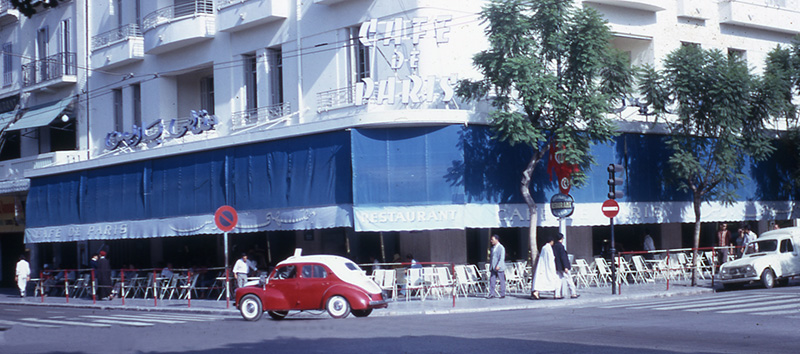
point(115, 35)
point(259, 116)
point(343, 97)
point(49, 68)
point(166, 14)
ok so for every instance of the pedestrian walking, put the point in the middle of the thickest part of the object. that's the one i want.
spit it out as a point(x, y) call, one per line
point(497, 269)
point(22, 275)
point(563, 267)
point(545, 278)
point(240, 270)
point(103, 274)
point(648, 244)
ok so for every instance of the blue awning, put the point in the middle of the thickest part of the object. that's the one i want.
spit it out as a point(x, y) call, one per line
point(42, 115)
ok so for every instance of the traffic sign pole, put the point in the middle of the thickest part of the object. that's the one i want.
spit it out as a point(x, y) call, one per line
point(613, 261)
point(227, 281)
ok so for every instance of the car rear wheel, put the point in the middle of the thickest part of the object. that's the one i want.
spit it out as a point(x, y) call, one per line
point(338, 307)
point(278, 315)
point(251, 308)
point(362, 313)
point(768, 278)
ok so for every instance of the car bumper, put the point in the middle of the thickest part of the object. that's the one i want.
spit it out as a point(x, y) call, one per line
point(733, 280)
point(380, 304)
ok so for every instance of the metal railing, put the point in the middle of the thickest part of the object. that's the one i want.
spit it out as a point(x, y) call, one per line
point(260, 115)
point(115, 35)
point(332, 99)
point(49, 68)
point(226, 3)
point(166, 14)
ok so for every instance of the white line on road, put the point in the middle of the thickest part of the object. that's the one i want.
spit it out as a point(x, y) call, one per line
point(145, 319)
point(120, 322)
point(66, 323)
point(14, 323)
point(704, 304)
point(761, 309)
point(191, 317)
point(657, 303)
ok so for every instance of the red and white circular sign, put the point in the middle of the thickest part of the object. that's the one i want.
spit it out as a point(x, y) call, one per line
point(610, 208)
point(226, 218)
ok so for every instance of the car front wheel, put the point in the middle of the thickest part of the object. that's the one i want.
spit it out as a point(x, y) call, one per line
point(362, 313)
point(768, 278)
point(251, 307)
point(338, 307)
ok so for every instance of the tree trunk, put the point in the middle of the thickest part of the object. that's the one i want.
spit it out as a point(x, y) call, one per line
point(696, 203)
point(532, 212)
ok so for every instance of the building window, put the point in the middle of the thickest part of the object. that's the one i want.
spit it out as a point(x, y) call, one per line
point(276, 75)
point(137, 104)
point(690, 44)
point(251, 81)
point(738, 54)
point(8, 65)
point(42, 38)
point(207, 94)
point(117, 93)
point(360, 65)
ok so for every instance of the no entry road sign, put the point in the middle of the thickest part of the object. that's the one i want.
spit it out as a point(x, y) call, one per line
point(226, 218)
point(610, 208)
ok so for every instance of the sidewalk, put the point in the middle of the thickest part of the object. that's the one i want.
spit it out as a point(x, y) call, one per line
point(396, 308)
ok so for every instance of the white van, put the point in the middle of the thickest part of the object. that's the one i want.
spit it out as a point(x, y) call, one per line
point(772, 258)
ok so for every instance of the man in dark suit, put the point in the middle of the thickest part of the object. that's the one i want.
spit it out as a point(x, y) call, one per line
point(103, 274)
point(562, 268)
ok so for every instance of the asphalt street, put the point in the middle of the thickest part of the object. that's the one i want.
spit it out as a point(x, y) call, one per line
point(744, 321)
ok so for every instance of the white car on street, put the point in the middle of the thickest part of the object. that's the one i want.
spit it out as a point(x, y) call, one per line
point(772, 258)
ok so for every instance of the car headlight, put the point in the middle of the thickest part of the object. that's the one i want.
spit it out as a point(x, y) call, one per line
point(724, 271)
point(750, 271)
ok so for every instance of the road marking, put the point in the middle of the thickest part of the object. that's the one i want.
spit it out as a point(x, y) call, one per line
point(121, 322)
point(66, 323)
point(192, 317)
point(759, 310)
point(26, 324)
point(698, 304)
point(146, 319)
point(744, 306)
point(657, 303)
point(13, 310)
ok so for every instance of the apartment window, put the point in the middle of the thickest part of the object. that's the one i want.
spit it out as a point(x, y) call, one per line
point(42, 37)
point(137, 104)
point(360, 57)
point(118, 9)
point(738, 54)
point(276, 75)
point(117, 93)
point(251, 81)
point(64, 44)
point(8, 65)
point(138, 9)
point(207, 94)
point(690, 44)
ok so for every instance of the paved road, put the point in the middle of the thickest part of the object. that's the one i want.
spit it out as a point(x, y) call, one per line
point(745, 321)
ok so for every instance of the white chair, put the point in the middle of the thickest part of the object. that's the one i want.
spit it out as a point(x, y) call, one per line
point(414, 282)
point(585, 274)
point(603, 270)
point(640, 270)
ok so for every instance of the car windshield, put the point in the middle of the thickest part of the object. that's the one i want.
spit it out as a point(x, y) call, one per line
point(351, 266)
point(761, 246)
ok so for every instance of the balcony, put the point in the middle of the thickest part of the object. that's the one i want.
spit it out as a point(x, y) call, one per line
point(644, 5)
point(758, 15)
point(54, 71)
point(237, 15)
point(8, 14)
point(267, 116)
point(120, 46)
point(695, 9)
point(177, 26)
point(15, 169)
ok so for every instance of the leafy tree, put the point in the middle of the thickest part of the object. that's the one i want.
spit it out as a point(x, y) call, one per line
point(28, 7)
point(781, 81)
point(720, 109)
point(554, 78)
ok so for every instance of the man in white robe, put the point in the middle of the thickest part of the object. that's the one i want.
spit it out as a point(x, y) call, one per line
point(546, 278)
point(22, 275)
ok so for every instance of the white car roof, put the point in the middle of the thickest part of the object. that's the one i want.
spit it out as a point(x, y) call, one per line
point(780, 233)
point(338, 265)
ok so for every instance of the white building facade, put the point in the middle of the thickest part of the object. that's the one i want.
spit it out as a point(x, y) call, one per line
point(329, 125)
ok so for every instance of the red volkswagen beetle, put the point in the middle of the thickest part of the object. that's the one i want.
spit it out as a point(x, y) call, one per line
point(318, 282)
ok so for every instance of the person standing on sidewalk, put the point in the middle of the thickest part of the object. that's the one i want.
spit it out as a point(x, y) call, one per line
point(103, 274)
point(562, 268)
point(724, 241)
point(497, 267)
point(23, 274)
point(240, 270)
point(545, 277)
